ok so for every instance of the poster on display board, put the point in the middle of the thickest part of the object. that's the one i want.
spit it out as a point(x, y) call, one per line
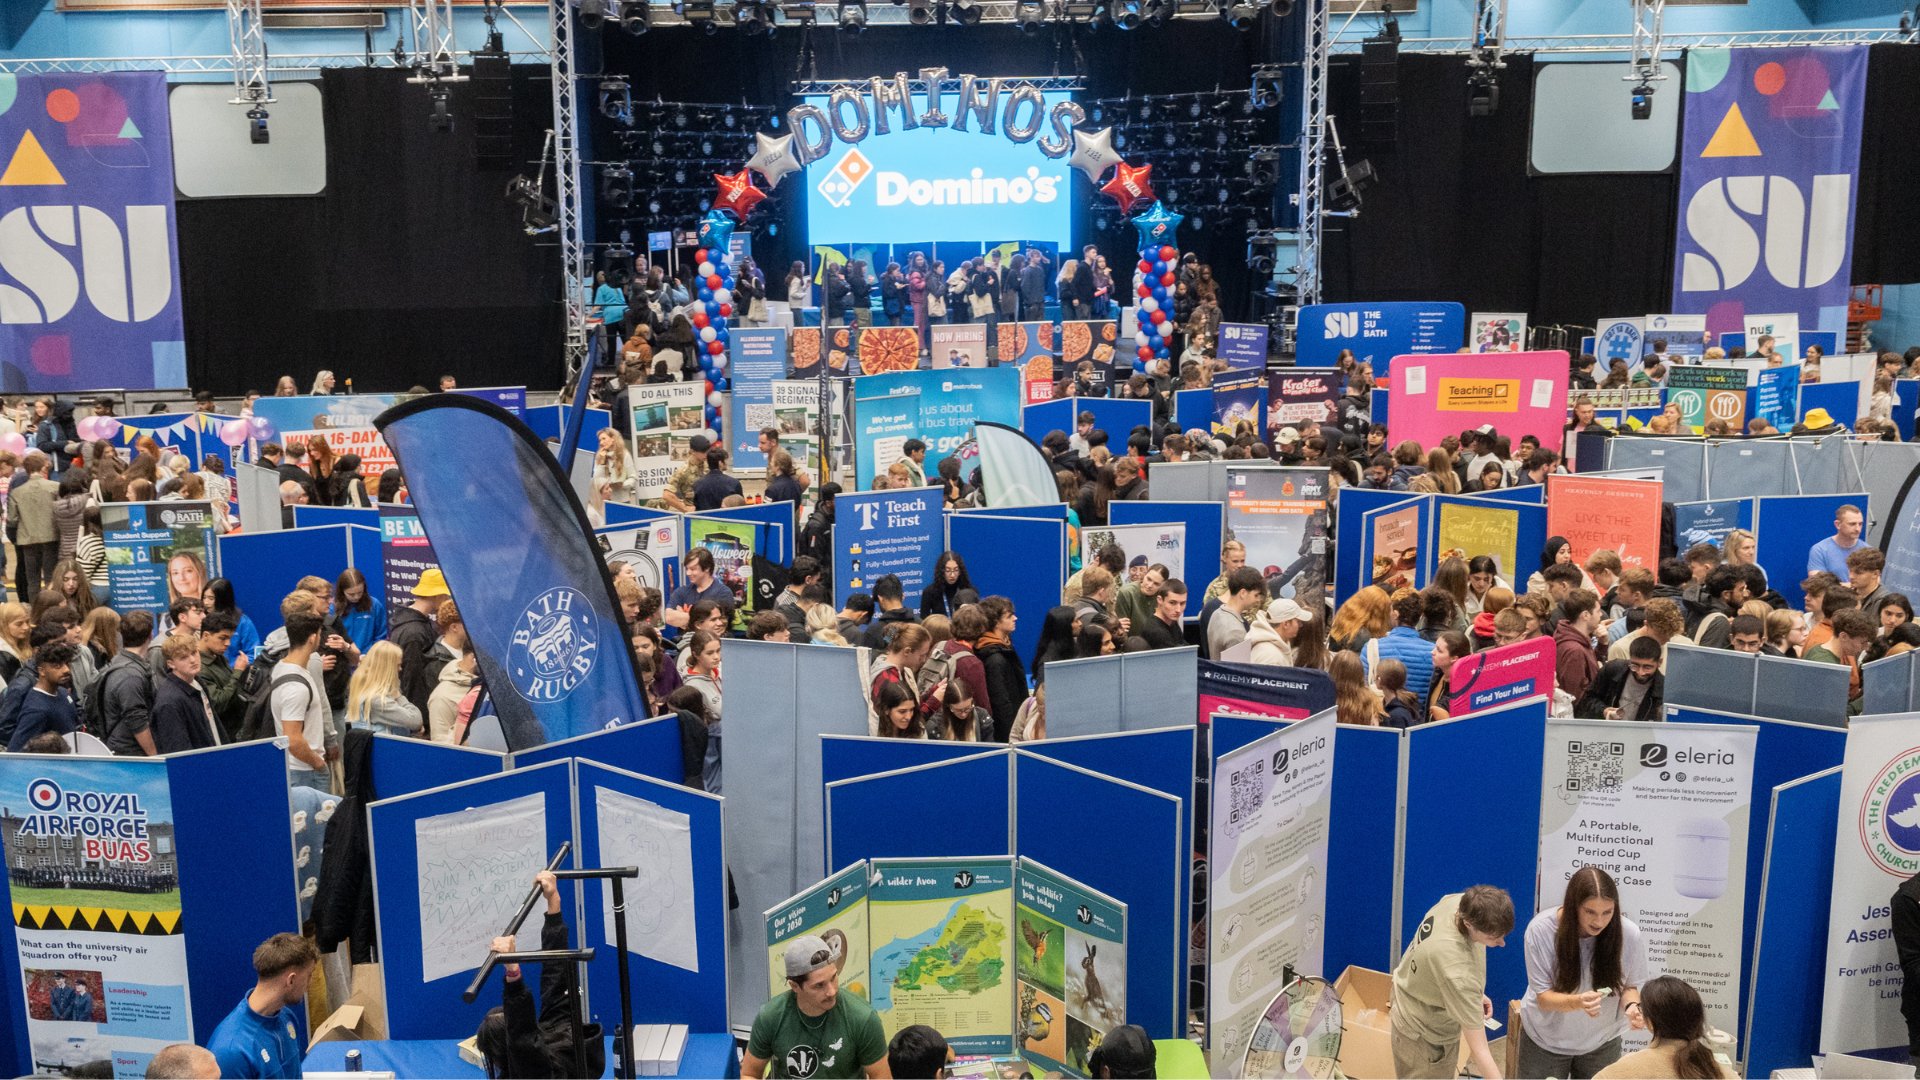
point(1706, 392)
point(733, 544)
point(1709, 522)
point(834, 911)
point(1876, 848)
point(758, 356)
point(1497, 331)
point(1236, 401)
point(405, 552)
point(94, 879)
point(943, 949)
point(1070, 969)
point(157, 552)
point(1036, 381)
point(1608, 513)
point(664, 415)
point(1089, 340)
point(949, 403)
point(1243, 346)
point(1295, 396)
point(363, 442)
point(1685, 335)
point(1267, 902)
point(651, 550)
point(876, 533)
point(1141, 546)
point(882, 426)
point(1663, 809)
point(1261, 690)
point(807, 345)
point(1377, 333)
point(1777, 401)
point(1784, 329)
point(889, 348)
point(1280, 515)
point(955, 345)
point(1500, 676)
point(1396, 538)
point(1618, 339)
point(1468, 532)
point(1018, 342)
point(1432, 397)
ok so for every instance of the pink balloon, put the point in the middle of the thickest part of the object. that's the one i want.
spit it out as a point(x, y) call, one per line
point(106, 427)
point(13, 443)
point(233, 432)
point(84, 427)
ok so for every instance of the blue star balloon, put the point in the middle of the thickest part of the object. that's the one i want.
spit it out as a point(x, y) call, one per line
point(1157, 225)
point(716, 233)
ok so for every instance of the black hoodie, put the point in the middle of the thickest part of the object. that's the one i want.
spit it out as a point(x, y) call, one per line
point(343, 900)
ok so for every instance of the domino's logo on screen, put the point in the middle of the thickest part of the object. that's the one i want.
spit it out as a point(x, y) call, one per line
point(838, 186)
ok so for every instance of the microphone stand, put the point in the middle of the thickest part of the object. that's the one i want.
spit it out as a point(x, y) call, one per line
point(615, 876)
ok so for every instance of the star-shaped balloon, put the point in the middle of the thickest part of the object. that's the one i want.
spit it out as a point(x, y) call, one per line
point(1129, 186)
point(1093, 153)
point(1157, 225)
point(737, 193)
point(716, 232)
point(774, 158)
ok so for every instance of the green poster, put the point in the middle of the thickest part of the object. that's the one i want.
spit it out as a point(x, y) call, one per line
point(943, 949)
point(1070, 960)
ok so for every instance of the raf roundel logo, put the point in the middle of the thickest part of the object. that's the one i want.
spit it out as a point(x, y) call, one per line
point(44, 794)
point(555, 642)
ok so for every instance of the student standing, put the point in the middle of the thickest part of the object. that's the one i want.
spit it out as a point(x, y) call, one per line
point(257, 1037)
point(1439, 986)
point(1585, 964)
point(49, 704)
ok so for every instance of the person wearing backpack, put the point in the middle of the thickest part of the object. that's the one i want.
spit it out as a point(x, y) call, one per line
point(124, 692)
point(298, 699)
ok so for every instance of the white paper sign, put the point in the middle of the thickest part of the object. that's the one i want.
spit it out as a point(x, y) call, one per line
point(660, 921)
point(475, 867)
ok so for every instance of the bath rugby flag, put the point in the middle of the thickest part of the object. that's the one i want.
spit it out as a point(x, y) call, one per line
point(519, 558)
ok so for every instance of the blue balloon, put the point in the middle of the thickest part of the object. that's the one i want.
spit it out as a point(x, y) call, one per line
point(706, 294)
point(723, 384)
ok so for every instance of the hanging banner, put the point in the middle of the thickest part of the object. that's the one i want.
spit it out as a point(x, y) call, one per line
point(1431, 397)
point(1709, 522)
point(958, 345)
point(1237, 401)
point(1260, 690)
point(758, 356)
point(1093, 341)
point(375, 457)
point(405, 552)
point(93, 875)
point(1876, 847)
point(1378, 332)
point(1297, 395)
point(1267, 860)
point(1243, 346)
point(1685, 335)
point(157, 552)
point(1662, 808)
point(943, 954)
point(91, 283)
point(1618, 339)
point(1498, 332)
point(311, 412)
point(664, 416)
point(834, 911)
point(1467, 532)
point(1706, 393)
point(1598, 513)
point(1496, 677)
point(1281, 517)
point(1777, 401)
point(1770, 148)
point(1070, 962)
point(876, 533)
point(651, 550)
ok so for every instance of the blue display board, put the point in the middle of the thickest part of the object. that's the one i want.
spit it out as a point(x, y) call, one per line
point(1709, 522)
point(758, 355)
point(307, 516)
point(937, 407)
point(886, 532)
point(403, 765)
point(1243, 346)
point(1840, 399)
point(1206, 524)
point(1115, 416)
point(1360, 848)
point(1786, 527)
point(1022, 559)
point(1193, 409)
point(975, 796)
point(782, 514)
point(1378, 332)
point(264, 567)
point(649, 748)
point(843, 757)
point(1349, 566)
point(1776, 397)
point(1789, 947)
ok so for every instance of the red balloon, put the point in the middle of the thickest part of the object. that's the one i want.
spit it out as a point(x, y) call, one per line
point(715, 348)
point(1145, 353)
point(1167, 278)
point(726, 311)
point(1146, 267)
point(700, 256)
point(713, 281)
point(700, 319)
point(1168, 254)
point(1157, 318)
point(710, 381)
point(1143, 291)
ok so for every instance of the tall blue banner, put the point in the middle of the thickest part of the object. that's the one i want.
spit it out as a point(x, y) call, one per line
point(885, 532)
point(759, 356)
point(1243, 346)
point(1777, 401)
point(1378, 332)
point(1767, 184)
point(88, 273)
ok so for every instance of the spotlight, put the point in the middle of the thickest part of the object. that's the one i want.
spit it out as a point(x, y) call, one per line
point(799, 14)
point(1343, 191)
point(1222, 195)
point(1483, 95)
point(1146, 110)
point(727, 119)
point(441, 120)
point(593, 13)
point(1263, 250)
point(616, 186)
point(1119, 140)
point(1158, 12)
point(698, 13)
point(706, 147)
point(1030, 15)
point(616, 100)
point(636, 16)
point(1097, 114)
point(1081, 11)
point(853, 15)
point(653, 206)
point(1193, 109)
point(751, 17)
point(538, 214)
point(1264, 168)
point(1197, 222)
point(1266, 92)
point(965, 12)
point(1127, 15)
point(1242, 15)
point(680, 115)
point(1643, 101)
point(1281, 8)
point(1193, 167)
point(257, 126)
point(920, 12)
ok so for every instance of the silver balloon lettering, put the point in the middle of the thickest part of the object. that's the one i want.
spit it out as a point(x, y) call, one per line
point(935, 79)
point(894, 93)
point(838, 102)
point(977, 104)
point(1062, 119)
point(808, 148)
point(1010, 123)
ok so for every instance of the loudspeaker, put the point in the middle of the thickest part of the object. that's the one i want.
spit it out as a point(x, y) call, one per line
point(1380, 91)
point(493, 111)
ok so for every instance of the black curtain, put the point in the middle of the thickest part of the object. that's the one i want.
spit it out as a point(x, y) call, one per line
point(410, 264)
point(1883, 248)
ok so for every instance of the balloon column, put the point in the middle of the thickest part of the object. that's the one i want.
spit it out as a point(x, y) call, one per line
point(1159, 271)
point(712, 308)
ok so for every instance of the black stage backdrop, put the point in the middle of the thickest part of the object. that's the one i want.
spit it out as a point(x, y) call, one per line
point(410, 264)
point(1884, 251)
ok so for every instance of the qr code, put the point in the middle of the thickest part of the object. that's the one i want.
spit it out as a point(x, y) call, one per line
point(1595, 766)
point(758, 416)
point(1246, 791)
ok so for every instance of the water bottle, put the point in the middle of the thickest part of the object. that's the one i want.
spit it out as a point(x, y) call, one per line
point(353, 1061)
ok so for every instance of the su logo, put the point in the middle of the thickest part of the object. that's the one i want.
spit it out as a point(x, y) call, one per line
point(1740, 220)
point(1343, 324)
point(128, 277)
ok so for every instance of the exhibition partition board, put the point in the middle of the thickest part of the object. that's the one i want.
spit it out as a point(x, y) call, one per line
point(1789, 953)
point(1805, 690)
point(257, 493)
point(1752, 467)
point(1786, 526)
point(1115, 416)
point(1529, 495)
point(1193, 409)
point(649, 748)
point(265, 567)
point(844, 757)
point(1206, 530)
point(1054, 511)
point(780, 514)
point(367, 552)
point(1716, 679)
point(1684, 462)
point(1393, 543)
point(1831, 465)
point(1351, 572)
point(1023, 559)
point(1189, 481)
point(550, 422)
point(403, 765)
point(308, 516)
point(1099, 695)
point(1507, 742)
point(1840, 399)
point(972, 809)
point(1511, 530)
point(450, 867)
point(1886, 685)
point(1123, 840)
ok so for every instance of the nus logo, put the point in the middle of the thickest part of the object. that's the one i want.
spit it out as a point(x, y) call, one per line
point(1740, 221)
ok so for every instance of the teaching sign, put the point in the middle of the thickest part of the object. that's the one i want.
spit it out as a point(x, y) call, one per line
point(885, 532)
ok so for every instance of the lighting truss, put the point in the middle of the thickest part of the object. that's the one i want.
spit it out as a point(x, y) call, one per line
point(248, 58)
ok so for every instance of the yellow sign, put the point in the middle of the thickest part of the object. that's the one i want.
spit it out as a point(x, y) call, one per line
point(1468, 531)
point(1478, 395)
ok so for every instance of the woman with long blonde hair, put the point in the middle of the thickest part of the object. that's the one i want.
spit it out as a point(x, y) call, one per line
point(15, 624)
point(613, 464)
point(1366, 615)
point(373, 696)
point(1354, 702)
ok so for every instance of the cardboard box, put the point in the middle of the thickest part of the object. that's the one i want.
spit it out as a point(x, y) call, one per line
point(363, 1016)
point(1366, 1048)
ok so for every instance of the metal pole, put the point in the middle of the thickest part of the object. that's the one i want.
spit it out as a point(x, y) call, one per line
point(513, 927)
point(626, 977)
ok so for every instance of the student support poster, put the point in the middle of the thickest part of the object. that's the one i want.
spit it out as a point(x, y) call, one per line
point(1496, 677)
point(758, 357)
point(1662, 808)
point(157, 552)
point(1297, 396)
point(876, 533)
point(1706, 393)
point(1280, 515)
point(1243, 346)
point(834, 911)
point(1141, 546)
point(957, 345)
point(943, 932)
point(1468, 532)
point(94, 882)
point(1876, 847)
point(1709, 522)
point(1070, 965)
point(1608, 513)
point(405, 552)
point(1267, 899)
point(664, 415)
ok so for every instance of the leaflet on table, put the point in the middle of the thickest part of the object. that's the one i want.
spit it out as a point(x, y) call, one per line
point(157, 552)
point(835, 911)
point(405, 553)
point(943, 949)
point(665, 416)
point(1070, 961)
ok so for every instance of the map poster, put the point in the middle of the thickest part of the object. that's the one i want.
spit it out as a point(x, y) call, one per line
point(943, 949)
point(1071, 962)
point(836, 910)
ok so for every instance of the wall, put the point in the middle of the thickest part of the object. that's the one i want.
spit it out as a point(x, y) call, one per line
point(1899, 325)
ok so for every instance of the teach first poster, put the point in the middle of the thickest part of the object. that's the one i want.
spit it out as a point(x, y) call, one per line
point(876, 533)
point(1663, 809)
point(94, 883)
point(1070, 961)
point(1876, 849)
point(1267, 901)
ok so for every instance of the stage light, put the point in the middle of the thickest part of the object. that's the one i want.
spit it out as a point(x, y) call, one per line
point(1220, 137)
point(1030, 15)
point(1193, 167)
point(1483, 95)
point(853, 15)
point(1126, 14)
point(1281, 8)
point(1158, 12)
point(1197, 222)
point(1642, 101)
point(1222, 195)
point(1242, 15)
point(1146, 110)
point(653, 206)
point(920, 12)
point(965, 12)
point(616, 186)
point(1119, 140)
point(1081, 11)
point(752, 17)
point(706, 147)
point(800, 14)
point(659, 148)
point(706, 205)
point(1263, 168)
point(727, 118)
point(1343, 191)
point(698, 13)
point(538, 214)
point(1266, 92)
point(680, 117)
point(1099, 113)
point(616, 100)
point(441, 119)
point(636, 16)
point(257, 126)
point(679, 176)
point(1168, 139)
point(593, 13)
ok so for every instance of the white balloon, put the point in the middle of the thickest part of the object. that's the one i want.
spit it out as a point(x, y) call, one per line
point(1166, 329)
point(720, 364)
point(706, 269)
point(712, 435)
point(1148, 303)
point(1141, 339)
point(707, 333)
point(723, 296)
point(715, 399)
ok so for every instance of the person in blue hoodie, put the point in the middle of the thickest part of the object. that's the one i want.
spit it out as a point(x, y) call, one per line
point(48, 704)
point(360, 612)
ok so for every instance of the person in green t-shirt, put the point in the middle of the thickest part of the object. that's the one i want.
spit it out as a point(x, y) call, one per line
point(811, 1031)
point(1439, 987)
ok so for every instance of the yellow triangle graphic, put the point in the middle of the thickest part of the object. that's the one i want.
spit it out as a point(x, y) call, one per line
point(31, 166)
point(169, 920)
point(1733, 138)
point(19, 912)
point(38, 913)
point(65, 914)
point(92, 915)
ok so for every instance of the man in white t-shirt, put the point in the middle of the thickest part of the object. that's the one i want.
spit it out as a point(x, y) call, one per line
point(299, 701)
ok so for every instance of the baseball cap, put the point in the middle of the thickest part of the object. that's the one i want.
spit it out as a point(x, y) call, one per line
point(1125, 1051)
point(700, 444)
point(1285, 610)
point(432, 583)
point(807, 954)
point(1288, 434)
point(1483, 429)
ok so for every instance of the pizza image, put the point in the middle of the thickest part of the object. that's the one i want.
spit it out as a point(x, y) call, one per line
point(1040, 369)
point(1103, 354)
point(1109, 332)
point(804, 348)
point(1012, 341)
point(1043, 336)
point(1076, 342)
point(889, 348)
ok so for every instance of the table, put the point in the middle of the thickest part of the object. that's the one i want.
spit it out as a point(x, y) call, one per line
point(706, 1056)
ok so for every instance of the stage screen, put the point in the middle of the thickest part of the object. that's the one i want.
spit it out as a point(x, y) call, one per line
point(934, 185)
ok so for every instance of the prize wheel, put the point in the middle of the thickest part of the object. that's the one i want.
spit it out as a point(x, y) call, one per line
point(1298, 1035)
point(646, 568)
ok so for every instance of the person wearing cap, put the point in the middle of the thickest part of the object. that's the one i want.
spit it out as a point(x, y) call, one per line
point(810, 1030)
point(1439, 986)
point(412, 628)
point(678, 494)
point(1273, 631)
point(1124, 1053)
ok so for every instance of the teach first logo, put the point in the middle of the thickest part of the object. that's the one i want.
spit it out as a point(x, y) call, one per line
point(1741, 221)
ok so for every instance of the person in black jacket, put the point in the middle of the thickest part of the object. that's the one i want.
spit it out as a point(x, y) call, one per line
point(859, 293)
point(949, 580)
point(518, 1041)
point(182, 718)
point(343, 901)
point(1629, 689)
point(412, 628)
point(1006, 677)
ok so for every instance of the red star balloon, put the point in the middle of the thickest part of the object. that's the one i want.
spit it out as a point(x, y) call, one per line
point(737, 193)
point(1129, 186)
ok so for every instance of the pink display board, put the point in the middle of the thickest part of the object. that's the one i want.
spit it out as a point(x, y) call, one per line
point(1432, 396)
